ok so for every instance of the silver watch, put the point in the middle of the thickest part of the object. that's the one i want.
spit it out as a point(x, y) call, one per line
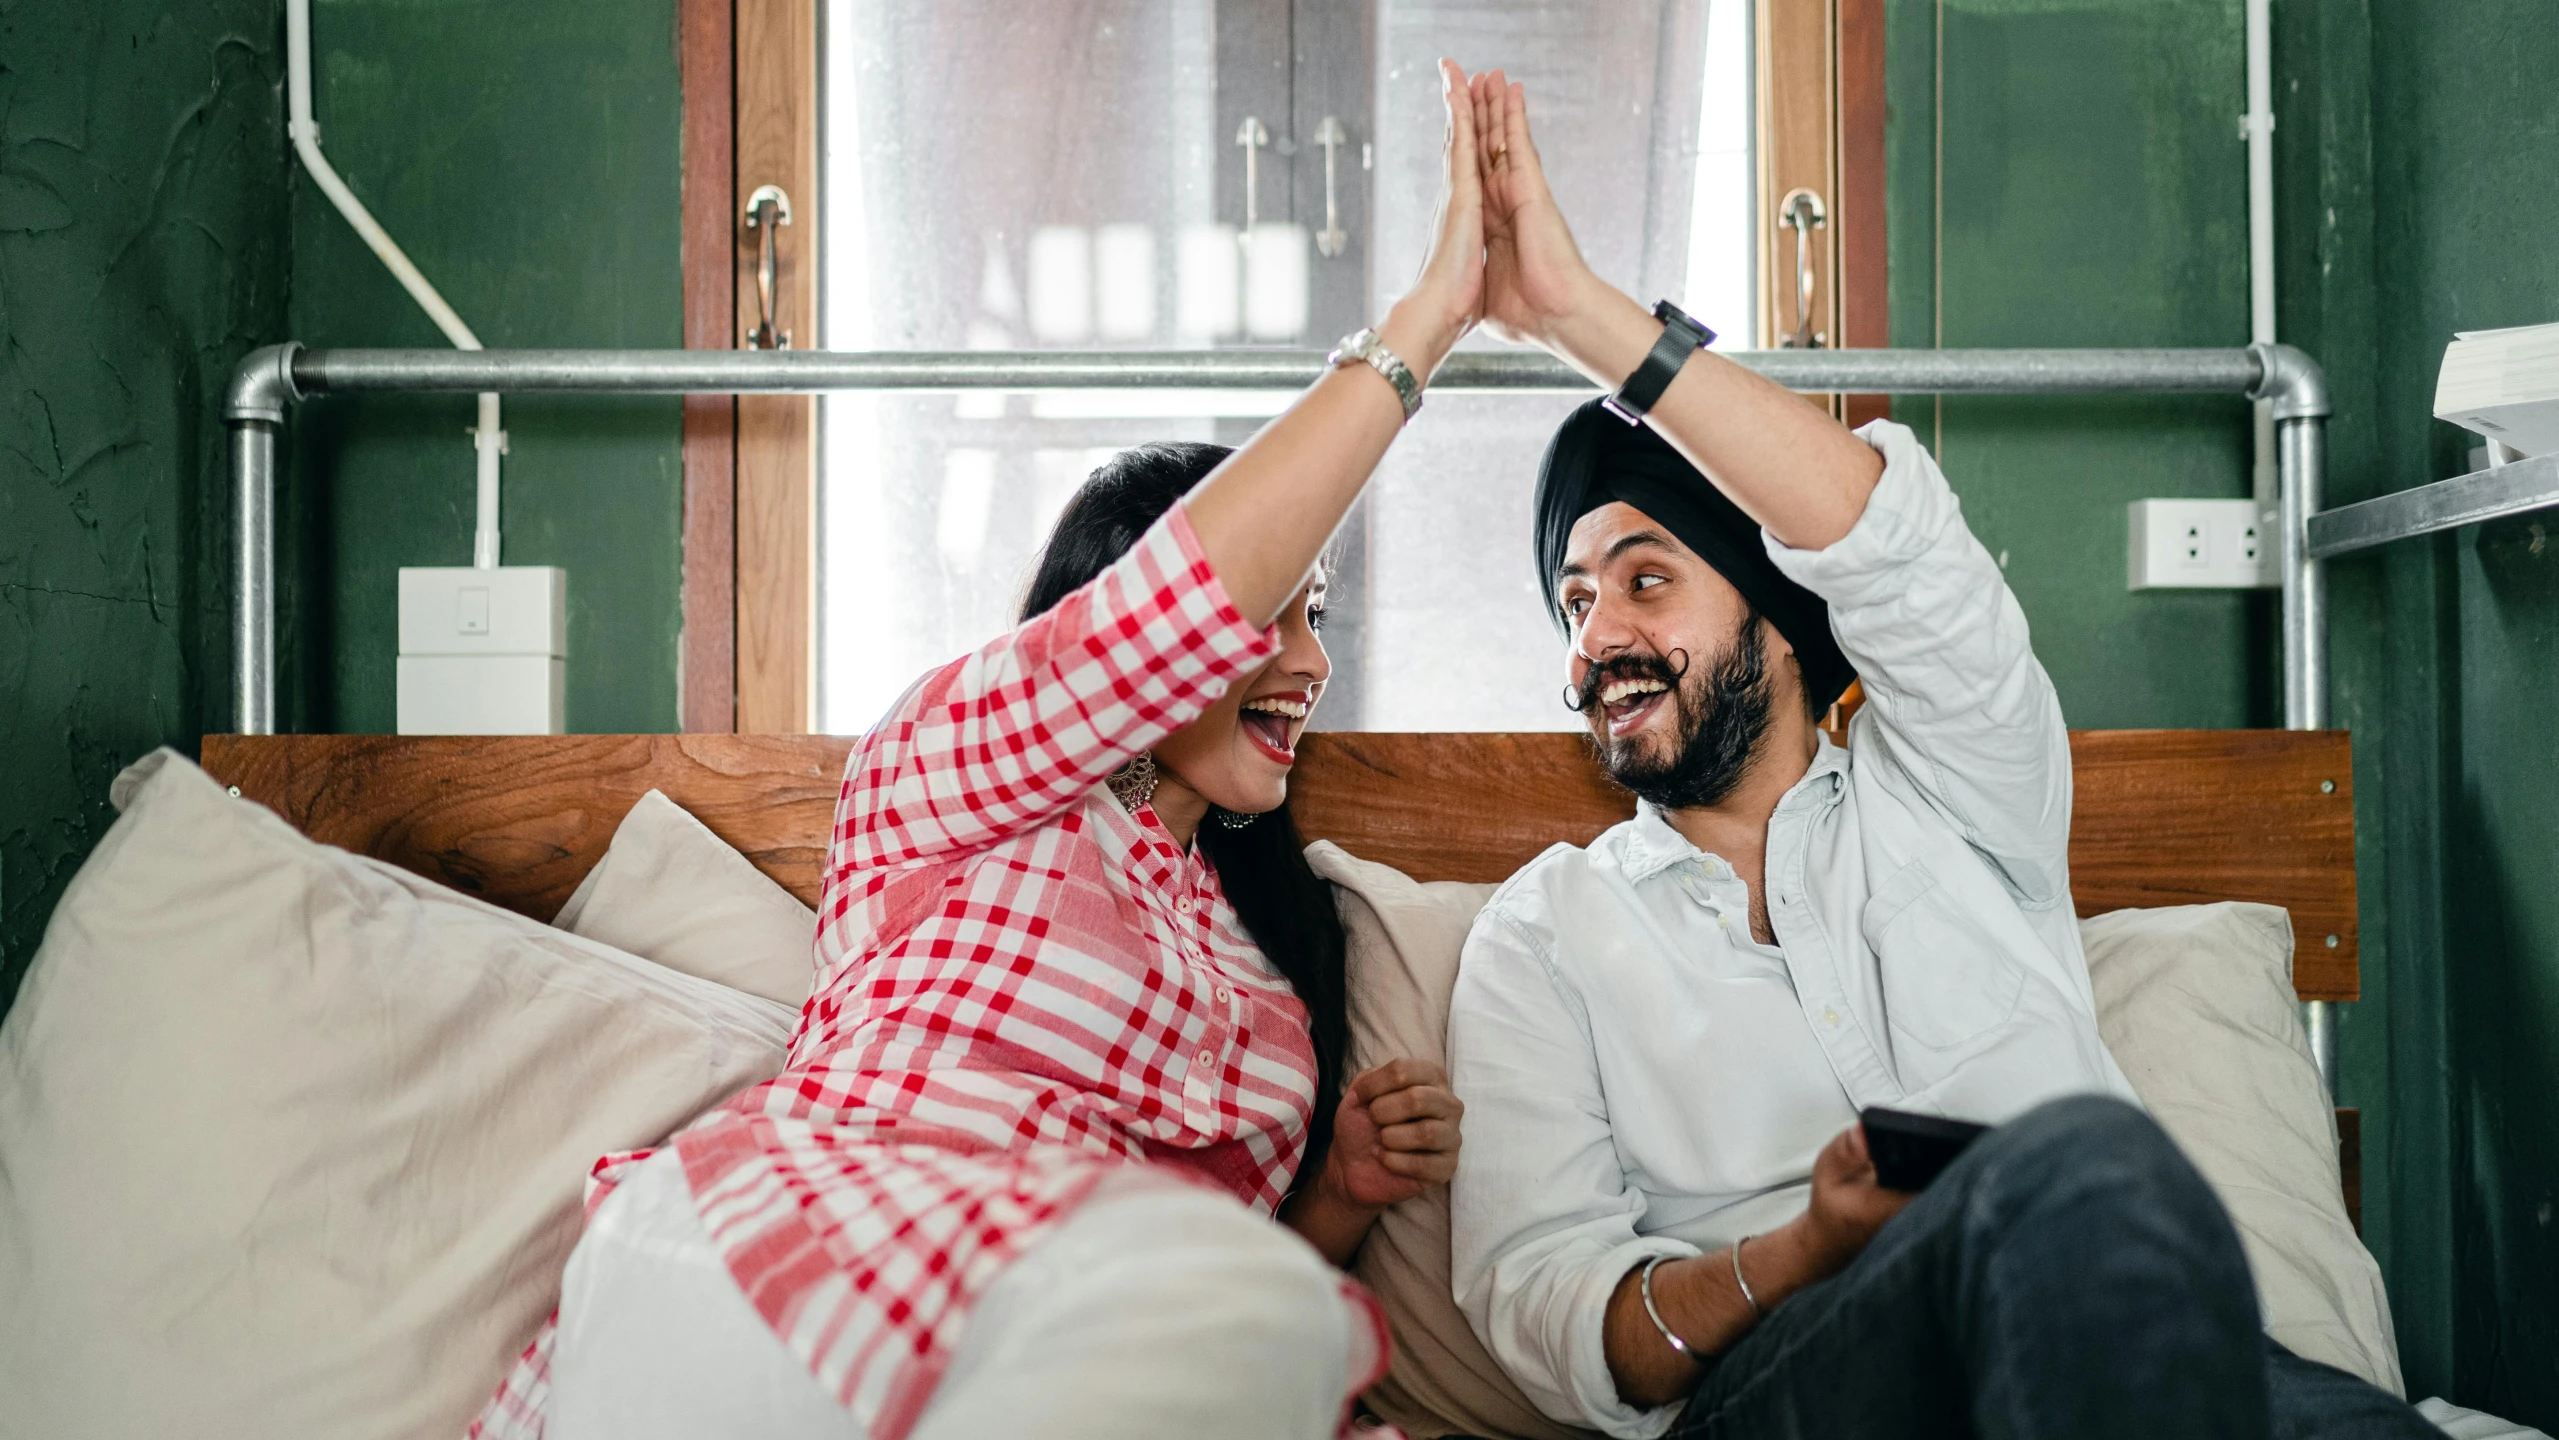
point(1363, 347)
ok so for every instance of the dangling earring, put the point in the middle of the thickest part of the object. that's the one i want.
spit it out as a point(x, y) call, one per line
point(1133, 784)
point(1235, 819)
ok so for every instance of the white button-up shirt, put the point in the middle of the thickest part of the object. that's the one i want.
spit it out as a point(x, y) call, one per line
point(1641, 1078)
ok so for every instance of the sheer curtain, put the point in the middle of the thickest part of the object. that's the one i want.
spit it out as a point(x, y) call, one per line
point(1002, 176)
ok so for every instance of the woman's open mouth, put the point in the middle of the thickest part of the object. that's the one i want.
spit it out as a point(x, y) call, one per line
point(1628, 704)
point(1271, 721)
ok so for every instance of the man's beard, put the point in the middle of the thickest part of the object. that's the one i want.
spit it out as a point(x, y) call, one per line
point(1721, 709)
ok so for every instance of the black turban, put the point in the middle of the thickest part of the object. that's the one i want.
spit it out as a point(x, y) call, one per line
point(1597, 458)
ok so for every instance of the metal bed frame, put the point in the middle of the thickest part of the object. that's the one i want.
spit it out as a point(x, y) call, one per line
point(272, 379)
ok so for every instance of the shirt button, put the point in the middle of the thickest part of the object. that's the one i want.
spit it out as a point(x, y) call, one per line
point(1208, 1057)
point(1830, 1017)
point(1224, 994)
point(1183, 904)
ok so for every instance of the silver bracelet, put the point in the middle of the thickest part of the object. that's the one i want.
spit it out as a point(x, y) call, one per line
point(1755, 1311)
point(1675, 1342)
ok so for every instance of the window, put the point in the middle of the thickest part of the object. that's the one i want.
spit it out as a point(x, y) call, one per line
point(1075, 175)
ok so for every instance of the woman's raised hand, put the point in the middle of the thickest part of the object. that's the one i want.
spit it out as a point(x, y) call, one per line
point(1447, 298)
point(1267, 513)
point(1534, 275)
point(1395, 1135)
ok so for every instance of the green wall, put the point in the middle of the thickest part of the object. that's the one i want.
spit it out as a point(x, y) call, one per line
point(2414, 146)
point(2465, 146)
point(142, 200)
point(2067, 172)
point(2092, 193)
point(525, 153)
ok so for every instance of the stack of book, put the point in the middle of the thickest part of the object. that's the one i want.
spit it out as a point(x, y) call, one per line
point(2504, 384)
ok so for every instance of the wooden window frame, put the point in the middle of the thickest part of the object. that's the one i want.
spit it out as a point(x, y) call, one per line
point(749, 654)
point(751, 104)
point(1820, 74)
point(707, 68)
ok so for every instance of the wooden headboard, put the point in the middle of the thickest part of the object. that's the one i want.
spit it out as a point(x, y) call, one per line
point(2163, 817)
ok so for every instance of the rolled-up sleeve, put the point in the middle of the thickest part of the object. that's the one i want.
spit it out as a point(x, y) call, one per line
point(1955, 698)
point(1542, 1220)
point(1003, 739)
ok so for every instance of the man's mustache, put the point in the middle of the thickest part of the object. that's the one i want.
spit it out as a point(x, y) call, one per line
point(1583, 698)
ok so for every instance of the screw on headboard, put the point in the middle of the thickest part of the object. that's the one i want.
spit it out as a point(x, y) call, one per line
point(2327, 787)
point(235, 792)
point(2332, 942)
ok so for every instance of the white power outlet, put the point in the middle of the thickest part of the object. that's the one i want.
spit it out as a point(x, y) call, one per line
point(2201, 545)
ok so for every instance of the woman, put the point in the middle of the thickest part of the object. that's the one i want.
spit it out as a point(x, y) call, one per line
point(1077, 1017)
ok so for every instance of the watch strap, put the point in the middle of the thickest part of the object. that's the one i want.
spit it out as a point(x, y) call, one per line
point(1681, 337)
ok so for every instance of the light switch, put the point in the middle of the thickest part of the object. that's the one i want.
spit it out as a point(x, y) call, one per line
point(460, 610)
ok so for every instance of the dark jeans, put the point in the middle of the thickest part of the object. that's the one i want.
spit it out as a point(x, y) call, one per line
point(2070, 1277)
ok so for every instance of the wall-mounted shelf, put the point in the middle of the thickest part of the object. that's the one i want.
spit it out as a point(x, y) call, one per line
point(2513, 488)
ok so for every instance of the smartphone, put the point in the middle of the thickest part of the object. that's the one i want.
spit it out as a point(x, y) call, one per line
point(1911, 1150)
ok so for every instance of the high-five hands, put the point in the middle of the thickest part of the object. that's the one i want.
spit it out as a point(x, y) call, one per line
point(1447, 298)
point(1534, 274)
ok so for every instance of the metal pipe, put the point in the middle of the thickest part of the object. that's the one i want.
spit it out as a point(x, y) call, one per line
point(273, 378)
point(2296, 393)
point(2300, 458)
point(2319, 1026)
point(1905, 372)
point(253, 565)
point(254, 406)
point(2300, 446)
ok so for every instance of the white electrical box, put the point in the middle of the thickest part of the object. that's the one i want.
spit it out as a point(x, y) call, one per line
point(2202, 545)
point(483, 652)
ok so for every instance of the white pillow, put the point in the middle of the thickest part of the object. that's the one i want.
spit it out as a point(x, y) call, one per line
point(1404, 941)
point(293, 1142)
point(2197, 1004)
point(669, 890)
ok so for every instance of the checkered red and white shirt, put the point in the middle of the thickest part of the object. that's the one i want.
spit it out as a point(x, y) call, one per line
point(1020, 986)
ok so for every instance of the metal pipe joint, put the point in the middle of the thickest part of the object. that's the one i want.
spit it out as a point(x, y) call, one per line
point(262, 387)
point(2292, 380)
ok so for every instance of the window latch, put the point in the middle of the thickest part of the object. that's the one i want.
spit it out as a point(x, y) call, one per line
point(1802, 212)
point(767, 210)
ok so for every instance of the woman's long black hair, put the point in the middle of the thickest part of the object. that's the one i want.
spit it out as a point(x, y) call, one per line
point(1285, 906)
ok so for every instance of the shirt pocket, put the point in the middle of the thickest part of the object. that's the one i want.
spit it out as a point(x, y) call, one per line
point(1946, 981)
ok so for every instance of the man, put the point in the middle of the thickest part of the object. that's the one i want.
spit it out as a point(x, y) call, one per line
point(1666, 1215)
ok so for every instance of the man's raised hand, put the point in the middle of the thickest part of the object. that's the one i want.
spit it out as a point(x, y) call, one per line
point(1533, 272)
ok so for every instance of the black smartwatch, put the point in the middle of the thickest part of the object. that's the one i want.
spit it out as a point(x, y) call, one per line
point(1681, 338)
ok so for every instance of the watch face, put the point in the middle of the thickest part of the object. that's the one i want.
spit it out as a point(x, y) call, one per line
point(1670, 314)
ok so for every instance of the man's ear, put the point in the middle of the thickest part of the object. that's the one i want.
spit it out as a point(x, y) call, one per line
point(1773, 641)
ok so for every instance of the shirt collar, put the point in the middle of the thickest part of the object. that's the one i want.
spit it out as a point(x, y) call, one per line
point(1647, 845)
